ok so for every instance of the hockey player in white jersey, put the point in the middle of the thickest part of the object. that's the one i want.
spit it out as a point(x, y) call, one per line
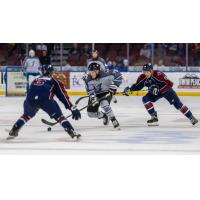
point(101, 86)
point(31, 66)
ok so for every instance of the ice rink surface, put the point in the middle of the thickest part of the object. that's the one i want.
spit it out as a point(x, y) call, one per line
point(174, 135)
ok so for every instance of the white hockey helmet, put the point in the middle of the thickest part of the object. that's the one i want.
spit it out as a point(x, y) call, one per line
point(31, 53)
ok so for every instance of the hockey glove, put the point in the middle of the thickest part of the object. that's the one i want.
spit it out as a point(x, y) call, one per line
point(127, 90)
point(113, 89)
point(154, 90)
point(76, 115)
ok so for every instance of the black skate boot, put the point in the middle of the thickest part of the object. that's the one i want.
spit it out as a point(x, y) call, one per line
point(73, 134)
point(105, 119)
point(153, 121)
point(13, 132)
point(115, 123)
point(193, 120)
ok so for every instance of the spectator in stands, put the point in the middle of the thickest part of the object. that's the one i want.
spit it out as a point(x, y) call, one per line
point(86, 50)
point(145, 51)
point(181, 50)
point(95, 57)
point(41, 47)
point(125, 62)
point(159, 51)
point(75, 50)
point(45, 58)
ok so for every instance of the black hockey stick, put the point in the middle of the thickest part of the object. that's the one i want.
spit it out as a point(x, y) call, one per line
point(54, 123)
point(76, 103)
point(79, 99)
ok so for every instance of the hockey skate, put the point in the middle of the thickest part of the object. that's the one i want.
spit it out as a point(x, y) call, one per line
point(115, 123)
point(193, 120)
point(153, 121)
point(13, 133)
point(73, 134)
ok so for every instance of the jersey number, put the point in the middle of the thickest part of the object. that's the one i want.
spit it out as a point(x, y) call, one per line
point(39, 82)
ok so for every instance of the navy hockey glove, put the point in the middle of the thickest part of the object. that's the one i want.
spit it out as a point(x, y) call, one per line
point(154, 90)
point(127, 90)
point(113, 89)
point(76, 115)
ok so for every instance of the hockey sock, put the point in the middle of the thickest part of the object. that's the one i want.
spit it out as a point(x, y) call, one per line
point(149, 107)
point(65, 123)
point(107, 109)
point(21, 121)
point(185, 110)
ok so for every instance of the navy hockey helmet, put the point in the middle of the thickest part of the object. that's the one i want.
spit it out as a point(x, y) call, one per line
point(93, 66)
point(147, 67)
point(47, 69)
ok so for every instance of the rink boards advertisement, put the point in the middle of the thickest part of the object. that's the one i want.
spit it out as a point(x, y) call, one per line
point(185, 83)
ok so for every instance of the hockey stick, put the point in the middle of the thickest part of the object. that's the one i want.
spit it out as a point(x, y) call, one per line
point(54, 123)
point(79, 99)
point(131, 92)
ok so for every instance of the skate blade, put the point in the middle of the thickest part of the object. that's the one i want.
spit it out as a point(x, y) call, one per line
point(195, 125)
point(10, 137)
point(117, 128)
point(153, 124)
point(76, 139)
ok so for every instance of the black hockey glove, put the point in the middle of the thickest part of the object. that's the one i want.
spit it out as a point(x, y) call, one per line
point(76, 115)
point(154, 90)
point(127, 90)
point(113, 89)
point(93, 100)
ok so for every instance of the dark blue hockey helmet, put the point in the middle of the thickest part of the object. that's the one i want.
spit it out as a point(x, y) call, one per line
point(93, 66)
point(147, 67)
point(47, 69)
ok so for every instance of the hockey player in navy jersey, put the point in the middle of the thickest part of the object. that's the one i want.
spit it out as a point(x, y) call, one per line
point(159, 86)
point(40, 96)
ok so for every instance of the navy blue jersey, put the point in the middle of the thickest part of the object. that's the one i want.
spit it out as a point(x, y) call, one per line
point(44, 88)
point(158, 78)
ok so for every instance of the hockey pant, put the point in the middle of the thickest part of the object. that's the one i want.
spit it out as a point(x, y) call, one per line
point(93, 111)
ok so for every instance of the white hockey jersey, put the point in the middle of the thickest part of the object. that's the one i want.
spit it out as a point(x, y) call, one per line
point(31, 64)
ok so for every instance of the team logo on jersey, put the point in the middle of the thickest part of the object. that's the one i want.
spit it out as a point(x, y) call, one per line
point(189, 81)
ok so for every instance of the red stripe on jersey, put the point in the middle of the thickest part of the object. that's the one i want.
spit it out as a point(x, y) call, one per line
point(64, 92)
point(51, 93)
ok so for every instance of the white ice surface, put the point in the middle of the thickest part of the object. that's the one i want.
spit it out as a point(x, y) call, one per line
point(174, 135)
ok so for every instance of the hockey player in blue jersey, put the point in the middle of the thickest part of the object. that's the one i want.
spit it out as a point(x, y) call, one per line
point(40, 96)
